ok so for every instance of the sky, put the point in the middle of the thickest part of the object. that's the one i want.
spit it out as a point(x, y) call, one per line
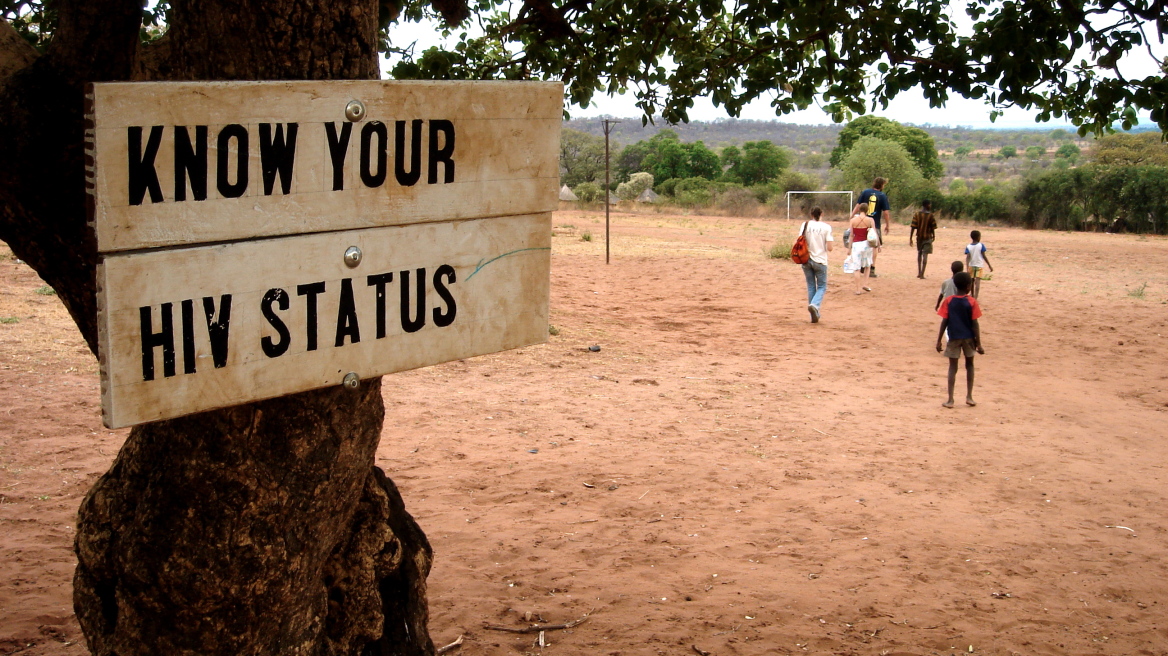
point(908, 107)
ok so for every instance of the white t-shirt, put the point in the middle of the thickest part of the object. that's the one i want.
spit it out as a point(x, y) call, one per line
point(817, 235)
point(975, 251)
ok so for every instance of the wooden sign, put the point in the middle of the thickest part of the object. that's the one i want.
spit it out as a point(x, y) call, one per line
point(263, 238)
point(195, 162)
point(185, 330)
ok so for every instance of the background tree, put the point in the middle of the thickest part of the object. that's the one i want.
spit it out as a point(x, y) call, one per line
point(1035, 152)
point(581, 157)
point(263, 528)
point(759, 162)
point(1068, 152)
point(870, 157)
point(1007, 152)
point(630, 160)
point(915, 141)
point(1129, 150)
point(669, 158)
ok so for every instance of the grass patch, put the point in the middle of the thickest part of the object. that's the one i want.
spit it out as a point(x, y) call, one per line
point(46, 291)
point(552, 330)
point(586, 236)
point(781, 250)
point(9, 319)
point(1139, 292)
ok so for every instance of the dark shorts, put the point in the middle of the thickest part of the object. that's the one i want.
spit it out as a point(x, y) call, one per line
point(956, 347)
point(925, 246)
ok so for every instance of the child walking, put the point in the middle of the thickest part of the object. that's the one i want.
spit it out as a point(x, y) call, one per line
point(947, 287)
point(976, 260)
point(959, 315)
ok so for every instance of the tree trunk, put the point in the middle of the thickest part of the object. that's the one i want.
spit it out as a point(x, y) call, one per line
point(259, 529)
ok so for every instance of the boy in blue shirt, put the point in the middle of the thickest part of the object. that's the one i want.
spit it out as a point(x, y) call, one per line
point(959, 315)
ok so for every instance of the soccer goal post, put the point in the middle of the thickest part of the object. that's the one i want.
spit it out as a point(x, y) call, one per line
point(829, 211)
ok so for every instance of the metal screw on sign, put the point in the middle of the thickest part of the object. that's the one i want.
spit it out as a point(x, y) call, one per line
point(352, 257)
point(355, 110)
point(351, 381)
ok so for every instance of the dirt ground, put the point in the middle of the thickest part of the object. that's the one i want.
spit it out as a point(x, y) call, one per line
point(723, 476)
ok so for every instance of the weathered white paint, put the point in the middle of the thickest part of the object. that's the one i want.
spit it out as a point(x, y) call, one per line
point(501, 287)
point(506, 157)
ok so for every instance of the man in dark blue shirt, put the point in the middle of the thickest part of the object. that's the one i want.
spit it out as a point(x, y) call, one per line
point(874, 203)
point(959, 315)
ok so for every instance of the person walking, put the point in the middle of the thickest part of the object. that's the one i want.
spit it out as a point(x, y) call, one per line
point(924, 224)
point(859, 261)
point(819, 240)
point(874, 203)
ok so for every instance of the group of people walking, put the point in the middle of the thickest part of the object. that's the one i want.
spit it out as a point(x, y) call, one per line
point(868, 225)
point(863, 239)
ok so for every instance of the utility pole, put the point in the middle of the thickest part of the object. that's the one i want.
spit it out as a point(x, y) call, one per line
point(607, 129)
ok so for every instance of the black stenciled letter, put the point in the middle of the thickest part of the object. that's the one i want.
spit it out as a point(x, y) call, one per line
point(445, 319)
point(367, 131)
point(347, 315)
point(310, 290)
point(226, 188)
point(142, 175)
point(413, 325)
point(275, 349)
point(443, 154)
point(399, 152)
point(338, 147)
point(277, 155)
point(218, 330)
point(188, 336)
point(151, 339)
point(380, 281)
point(190, 162)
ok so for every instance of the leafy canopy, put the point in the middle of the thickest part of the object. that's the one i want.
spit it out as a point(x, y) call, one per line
point(1063, 59)
point(916, 141)
point(871, 157)
point(758, 162)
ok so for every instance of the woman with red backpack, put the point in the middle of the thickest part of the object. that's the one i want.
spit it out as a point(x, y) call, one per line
point(816, 239)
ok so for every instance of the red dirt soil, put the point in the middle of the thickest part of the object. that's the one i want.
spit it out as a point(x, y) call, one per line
point(723, 476)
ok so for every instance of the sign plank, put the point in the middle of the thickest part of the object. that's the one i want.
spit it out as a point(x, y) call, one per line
point(184, 330)
point(180, 163)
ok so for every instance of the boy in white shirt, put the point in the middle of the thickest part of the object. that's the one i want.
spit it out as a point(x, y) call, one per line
point(976, 260)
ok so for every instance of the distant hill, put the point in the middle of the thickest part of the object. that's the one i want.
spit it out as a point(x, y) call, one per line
point(822, 138)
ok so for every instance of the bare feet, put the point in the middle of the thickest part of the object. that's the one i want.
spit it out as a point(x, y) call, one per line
point(947, 404)
point(969, 401)
point(867, 289)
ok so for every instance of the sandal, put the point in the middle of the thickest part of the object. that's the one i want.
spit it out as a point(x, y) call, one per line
point(867, 289)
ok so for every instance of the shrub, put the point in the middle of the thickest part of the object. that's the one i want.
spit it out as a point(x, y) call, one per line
point(637, 183)
point(790, 180)
point(694, 192)
point(781, 249)
point(738, 202)
point(667, 187)
point(589, 192)
point(694, 198)
point(765, 191)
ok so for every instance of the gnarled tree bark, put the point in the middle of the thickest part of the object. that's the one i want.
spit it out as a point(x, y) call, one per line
point(259, 529)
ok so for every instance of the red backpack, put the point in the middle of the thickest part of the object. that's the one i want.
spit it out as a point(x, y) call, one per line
point(799, 252)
